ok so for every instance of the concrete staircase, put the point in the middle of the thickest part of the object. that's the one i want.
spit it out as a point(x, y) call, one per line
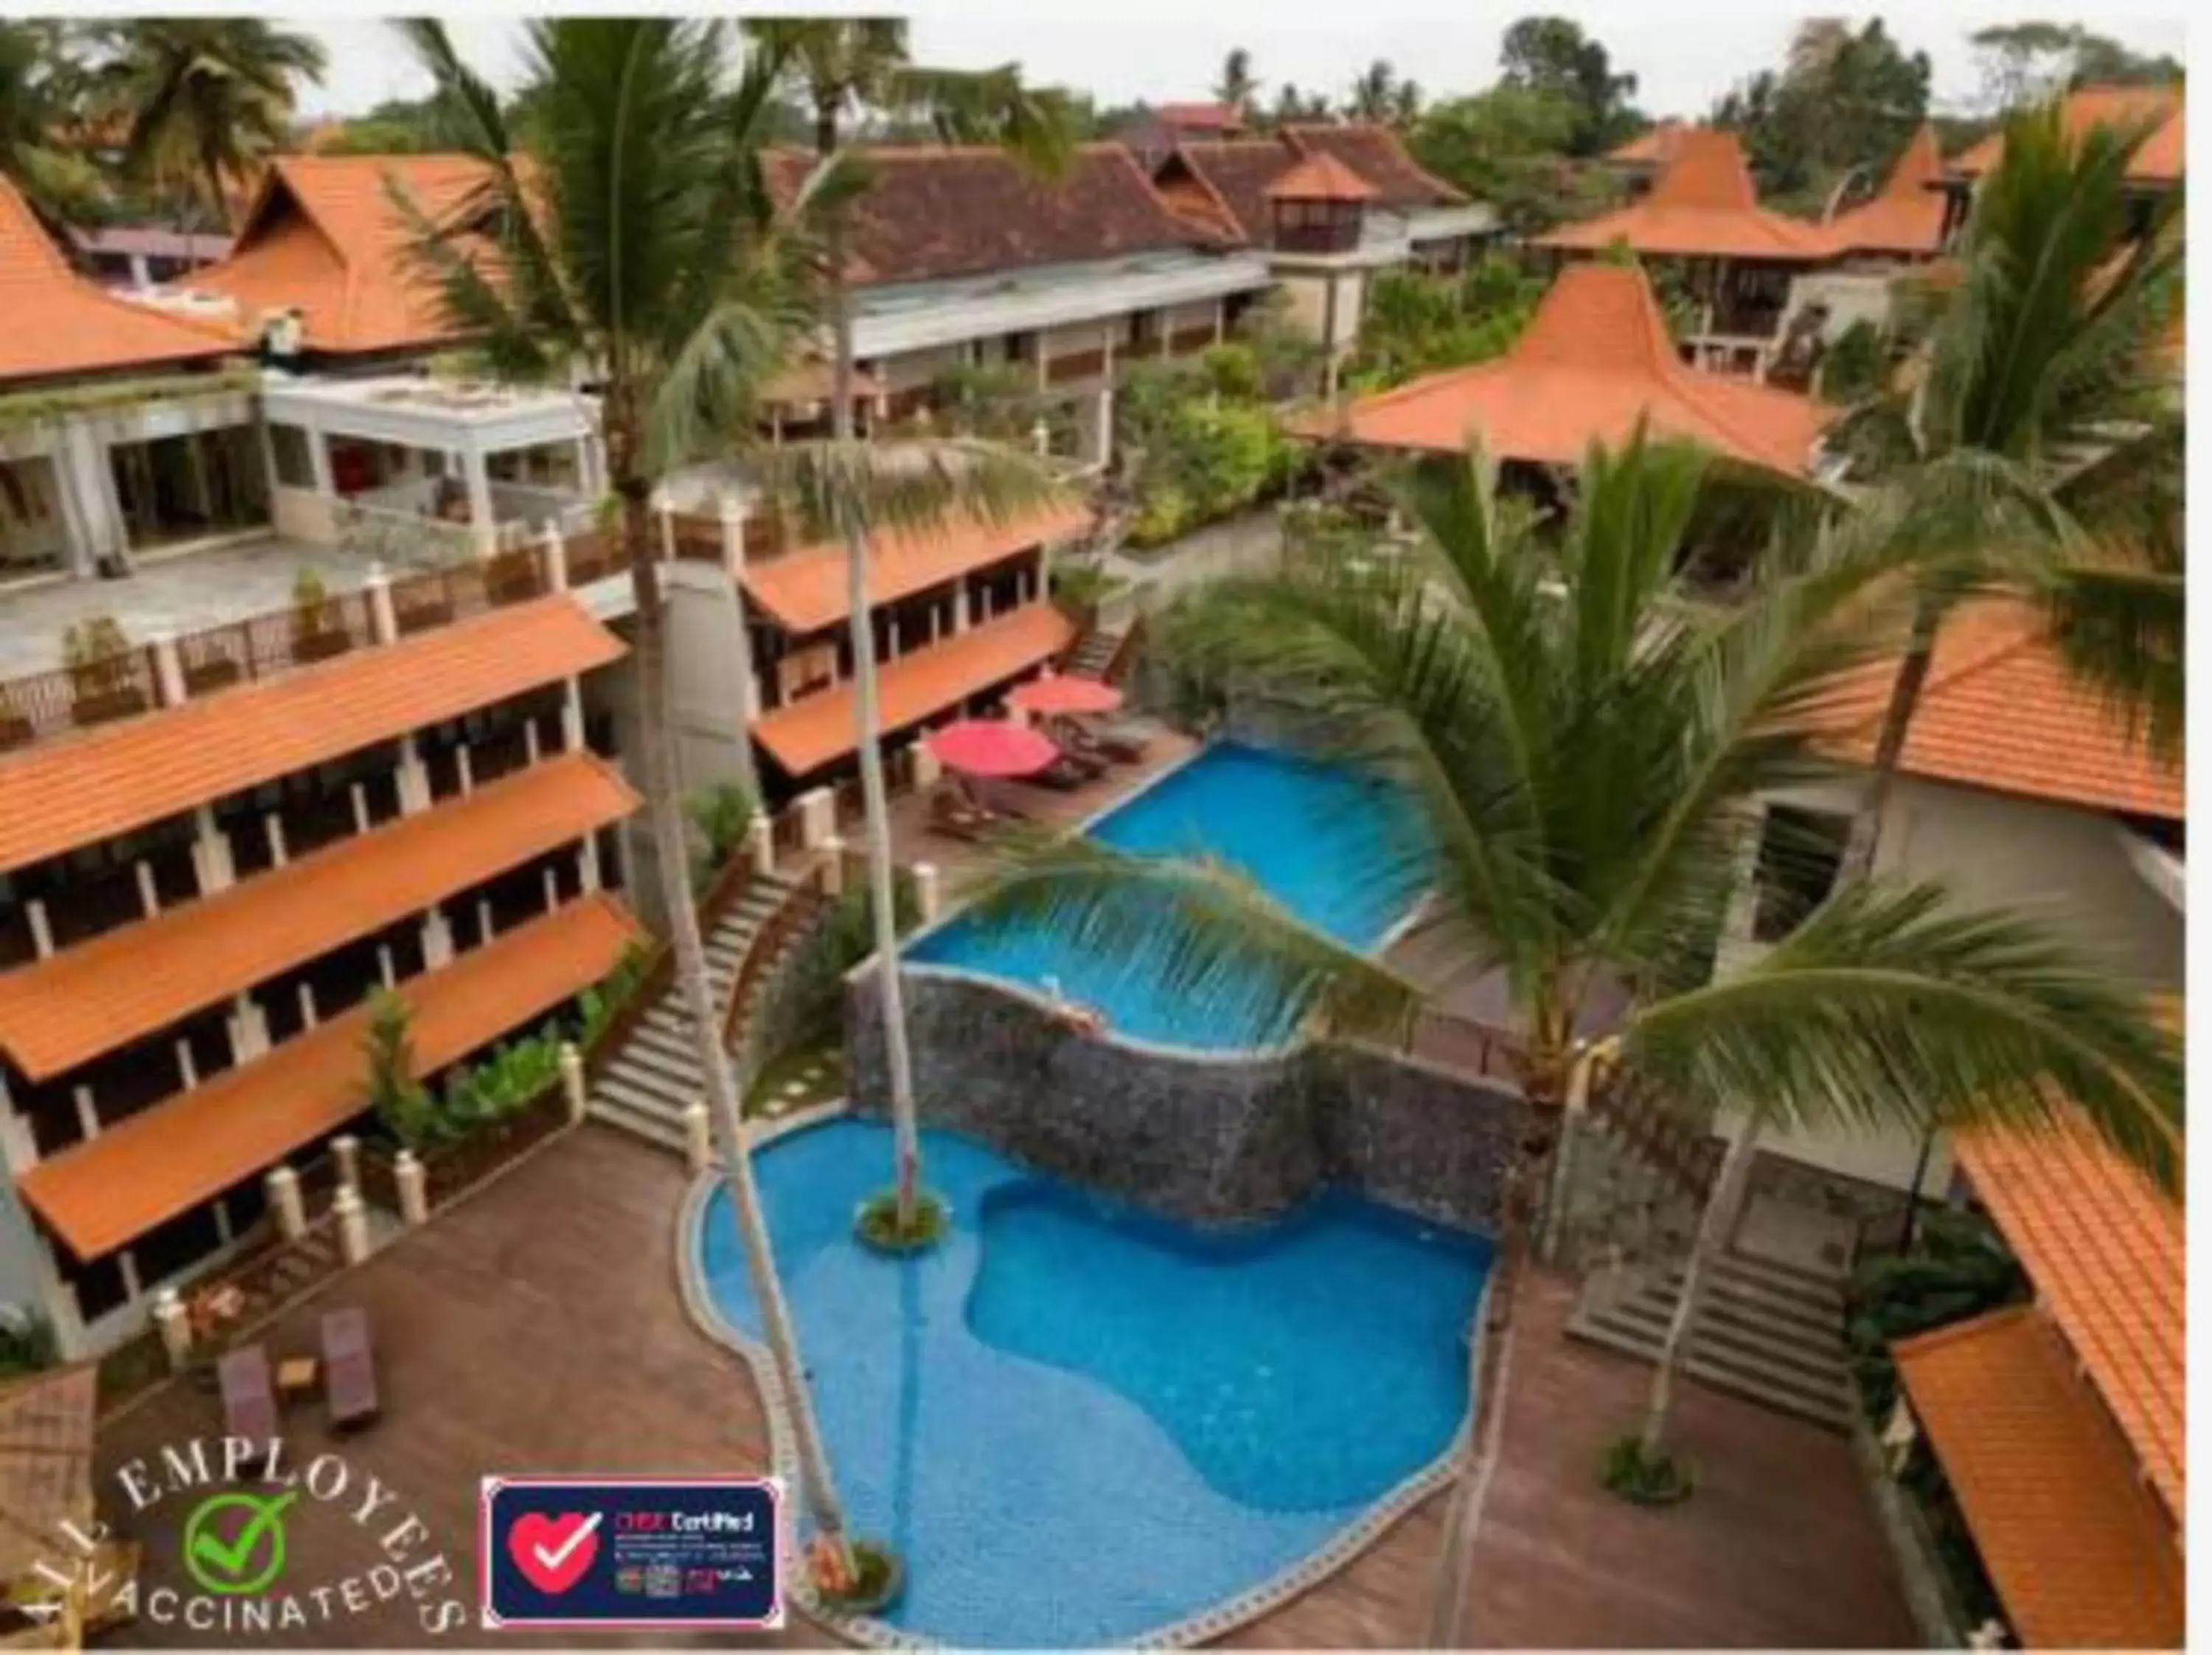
point(1769, 1332)
point(1094, 653)
point(655, 1077)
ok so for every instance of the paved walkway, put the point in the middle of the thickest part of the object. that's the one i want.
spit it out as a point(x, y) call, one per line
point(537, 1327)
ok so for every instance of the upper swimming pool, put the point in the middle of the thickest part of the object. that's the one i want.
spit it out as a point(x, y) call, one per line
point(1340, 849)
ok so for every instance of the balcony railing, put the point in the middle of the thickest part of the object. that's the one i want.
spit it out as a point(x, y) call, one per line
point(1191, 341)
point(1075, 365)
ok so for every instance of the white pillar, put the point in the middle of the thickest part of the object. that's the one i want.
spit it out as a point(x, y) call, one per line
point(928, 890)
point(587, 861)
point(211, 862)
point(531, 748)
point(42, 930)
point(817, 818)
point(291, 1213)
point(960, 607)
point(666, 512)
point(359, 794)
point(833, 871)
point(249, 1029)
point(467, 771)
point(384, 619)
point(556, 558)
point(352, 1225)
point(572, 1079)
point(927, 769)
point(149, 899)
point(88, 1113)
point(413, 776)
point(345, 1150)
point(572, 716)
point(387, 968)
point(168, 668)
point(698, 1138)
point(413, 1185)
point(760, 844)
point(437, 941)
point(308, 1017)
point(273, 824)
point(175, 1328)
point(481, 526)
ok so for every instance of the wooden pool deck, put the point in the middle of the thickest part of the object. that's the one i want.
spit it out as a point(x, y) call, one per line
point(537, 1327)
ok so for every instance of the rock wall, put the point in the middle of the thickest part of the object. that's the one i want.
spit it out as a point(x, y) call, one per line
point(1190, 1134)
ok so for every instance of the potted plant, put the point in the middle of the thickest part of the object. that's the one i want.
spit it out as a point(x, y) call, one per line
point(316, 634)
point(98, 656)
point(424, 601)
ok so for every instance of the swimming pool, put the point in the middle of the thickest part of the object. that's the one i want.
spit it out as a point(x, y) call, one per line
point(1079, 1423)
point(1340, 849)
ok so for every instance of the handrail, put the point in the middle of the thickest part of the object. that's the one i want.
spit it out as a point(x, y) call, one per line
point(765, 946)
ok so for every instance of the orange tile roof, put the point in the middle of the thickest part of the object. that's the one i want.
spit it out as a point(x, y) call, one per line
point(2074, 1545)
point(126, 984)
point(1907, 216)
point(165, 1160)
point(1594, 360)
point(1653, 147)
point(56, 323)
point(808, 733)
point(77, 791)
point(2164, 152)
point(1321, 177)
point(804, 589)
point(2001, 711)
point(2105, 1250)
point(1702, 205)
point(323, 235)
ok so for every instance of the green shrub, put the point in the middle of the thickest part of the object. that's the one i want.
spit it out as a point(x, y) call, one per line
point(877, 1223)
point(1233, 371)
point(402, 1103)
point(1855, 366)
point(1959, 1267)
point(516, 1075)
point(1663, 1478)
point(720, 817)
point(598, 1004)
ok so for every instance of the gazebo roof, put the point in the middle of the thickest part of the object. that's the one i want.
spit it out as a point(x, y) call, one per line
point(1321, 177)
point(1702, 205)
point(1907, 216)
point(1595, 360)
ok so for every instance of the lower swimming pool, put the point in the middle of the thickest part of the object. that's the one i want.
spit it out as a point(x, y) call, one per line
point(1080, 1423)
point(1340, 849)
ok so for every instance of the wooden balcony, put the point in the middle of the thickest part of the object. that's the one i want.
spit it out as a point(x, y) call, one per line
point(1075, 365)
point(1191, 341)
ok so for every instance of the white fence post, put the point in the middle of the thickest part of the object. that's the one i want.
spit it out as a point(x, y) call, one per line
point(175, 1327)
point(698, 1139)
point(284, 1187)
point(414, 1187)
point(572, 1079)
point(352, 1225)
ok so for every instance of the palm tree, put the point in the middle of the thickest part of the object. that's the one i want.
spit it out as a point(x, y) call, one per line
point(1405, 104)
point(1587, 742)
point(637, 244)
point(1373, 95)
point(2035, 444)
point(208, 98)
point(41, 95)
point(1237, 87)
point(838, 67)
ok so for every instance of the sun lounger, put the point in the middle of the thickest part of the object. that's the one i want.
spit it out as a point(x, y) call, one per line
point(349, 1368)
point(249, 1400)
point(1064, 775)
point(1125, 741)
point(1082, 745)
point(957, 818)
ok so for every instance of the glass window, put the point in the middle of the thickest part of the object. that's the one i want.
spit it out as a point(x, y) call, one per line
point(1800, 853)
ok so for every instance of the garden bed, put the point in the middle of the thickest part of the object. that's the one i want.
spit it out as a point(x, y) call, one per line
point(451, 1169)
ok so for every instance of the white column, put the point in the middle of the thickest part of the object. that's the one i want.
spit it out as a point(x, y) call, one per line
point(18, 1143)
point(572, 1079)
point(387, 968)
point(926, 769)
point(960, 607)
point(480, 518)
point(168, 668)
point(552, 890)
point(249, 1029)
point(437, 941)
point(318, 460)
point(698, 1137)
point(484, 931)
point(308, 1016)
point(833, 871)
point(556, 558)
point(187, 1070)
point(461, 763)
point(359, 793)
point(588, 864)
point(149, 899)
point(413, 1186)
point(384, 619)
point(211, 861)
point(290, 1211)
point(273, 824)
point(352, 1225)
point(414, 776)
point(530, 746)
point(1103, 438)
point(42, 930)
point(817, 818)
point(928, 890)
point(88, 1114)
point(345, 1150)
point(174, 1326)
point(572, 716)
point(1220, 320)
point(760, 844)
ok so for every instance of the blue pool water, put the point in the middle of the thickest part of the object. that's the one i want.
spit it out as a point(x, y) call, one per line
point(1342, 851)
point(1080, 1423)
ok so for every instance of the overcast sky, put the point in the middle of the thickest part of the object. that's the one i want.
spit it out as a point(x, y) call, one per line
point(1685, 53)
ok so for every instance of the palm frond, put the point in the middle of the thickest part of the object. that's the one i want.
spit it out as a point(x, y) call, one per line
point(882, 487)
point(1891, 1006)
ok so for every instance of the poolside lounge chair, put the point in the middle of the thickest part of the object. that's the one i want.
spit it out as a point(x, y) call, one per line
point(349, 1368)
point(1121, 740)
point(1081, 745)
point(1064, 775)
point(249, 1400)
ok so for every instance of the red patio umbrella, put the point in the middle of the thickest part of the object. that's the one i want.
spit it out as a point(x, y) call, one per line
point(990, 746)
point(1057, 693)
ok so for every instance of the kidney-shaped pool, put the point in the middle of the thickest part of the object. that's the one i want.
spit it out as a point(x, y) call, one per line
point(1080, 1423)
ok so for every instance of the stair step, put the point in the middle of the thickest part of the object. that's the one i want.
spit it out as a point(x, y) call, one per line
point(1822, 1406)
point(651, 1129)
point(1827, 1289)
point(1754, 1293)
point(1817, 1348)
point(644, 1096)
point(643, 1061)
point(667, 1041)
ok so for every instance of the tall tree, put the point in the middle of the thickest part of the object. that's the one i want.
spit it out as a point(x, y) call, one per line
point(209, 97)
point(2035, 445)
point(640, 242)
point(1586, 742)
point(1553, 54)
point(1843, 105)
point(1237, 87)
point(43, 94)
point(1405, 104)
point(1374, 94)
point(1509, 146)
point(1292, 106)
point(2026, 62)
point(839, 69)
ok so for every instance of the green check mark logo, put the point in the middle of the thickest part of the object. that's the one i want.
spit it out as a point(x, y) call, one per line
point(235, 1542)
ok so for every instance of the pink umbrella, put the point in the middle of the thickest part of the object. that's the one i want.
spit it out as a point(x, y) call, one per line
point(990, 746)
point(1057, 693)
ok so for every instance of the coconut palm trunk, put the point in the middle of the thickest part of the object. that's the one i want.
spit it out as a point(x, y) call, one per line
point(867, 744)
point(1865, 839)
point(1714, 1229)
point(665, 818)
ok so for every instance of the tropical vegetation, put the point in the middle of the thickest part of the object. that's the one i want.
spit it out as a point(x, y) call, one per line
point(1415, 323)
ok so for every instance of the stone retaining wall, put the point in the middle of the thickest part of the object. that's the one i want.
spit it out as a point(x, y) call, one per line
point(1192, 1134)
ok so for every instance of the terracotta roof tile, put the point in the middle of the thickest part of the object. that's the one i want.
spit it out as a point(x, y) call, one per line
point(1653, 147)
point(2105, 1251)
point(804, 589)
point(1235, 173)
point(58, 324)
point(325, 235)
point(1907, 216)
point(1702, 204)
point(78, 791)
point(166, 1159)
point(2001, 711)
point(1377, 155)
point(1201, 117)
point(1594, 360)
point(931, 212)
point(2075, 1545)
point(1322, 177)
point(124, 984)
point(2161, 161)
point(809, 733)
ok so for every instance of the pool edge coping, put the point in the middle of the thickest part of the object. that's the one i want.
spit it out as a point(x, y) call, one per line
point(1294, 1580)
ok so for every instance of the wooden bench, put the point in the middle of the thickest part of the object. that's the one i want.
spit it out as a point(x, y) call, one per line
point(349, 1368)
point(249, 1401)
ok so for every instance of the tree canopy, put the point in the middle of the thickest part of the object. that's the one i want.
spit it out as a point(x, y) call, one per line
point(1553, 54)
point(1844, 102)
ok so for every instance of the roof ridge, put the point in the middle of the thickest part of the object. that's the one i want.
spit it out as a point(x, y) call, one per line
point(1968, 1327)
